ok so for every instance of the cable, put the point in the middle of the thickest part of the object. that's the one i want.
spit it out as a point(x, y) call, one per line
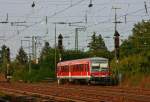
point(66, 9)
point(48, 17)
point(118, 17)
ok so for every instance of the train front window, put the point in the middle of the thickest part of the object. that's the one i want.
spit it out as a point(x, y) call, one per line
point(99, 67)
point(104, 69)
point(95, 68)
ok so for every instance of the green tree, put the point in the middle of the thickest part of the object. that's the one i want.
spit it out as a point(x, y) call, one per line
point(22, 57)
point(72, 54)
point(139, 41)
point(5, 55)
point(98, 48)
point(135, 52)
point(45, 52)
point(47, 57)
point(97, 43)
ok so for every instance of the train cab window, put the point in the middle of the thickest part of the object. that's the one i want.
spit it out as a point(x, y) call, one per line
point(95, 68)
point(103, 69)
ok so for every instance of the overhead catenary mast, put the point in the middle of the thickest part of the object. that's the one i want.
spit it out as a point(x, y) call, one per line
point(116, 36)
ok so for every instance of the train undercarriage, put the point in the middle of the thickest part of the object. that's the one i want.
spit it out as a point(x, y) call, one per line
point(89, 81)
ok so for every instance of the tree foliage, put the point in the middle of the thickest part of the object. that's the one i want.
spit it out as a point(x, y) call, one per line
point(139, 41)
point(135, 51)
point(45, 52)
point(72, 54)
point(97, 43)
point(22, 57)
point(133, 64)
point(97, 47)
point(5, 60)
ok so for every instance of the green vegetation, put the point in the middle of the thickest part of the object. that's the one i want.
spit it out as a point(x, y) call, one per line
point(24, 69)
point(133, 62)
point(135, 55)
point(97, 47)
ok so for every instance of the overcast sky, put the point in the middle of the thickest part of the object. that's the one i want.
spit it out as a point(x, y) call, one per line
point(99, 20)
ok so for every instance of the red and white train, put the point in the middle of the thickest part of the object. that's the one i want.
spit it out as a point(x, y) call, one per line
point(95, 69)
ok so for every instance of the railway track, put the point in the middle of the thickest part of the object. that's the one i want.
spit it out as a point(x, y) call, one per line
point(93, 89)
point(76, 93)
point(37, 95)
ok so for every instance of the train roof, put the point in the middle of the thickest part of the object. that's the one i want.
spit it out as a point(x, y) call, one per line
point(97, 58)
point(85, 59)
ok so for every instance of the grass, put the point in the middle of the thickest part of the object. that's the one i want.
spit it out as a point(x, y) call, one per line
point(36, 75)
point(138, 80)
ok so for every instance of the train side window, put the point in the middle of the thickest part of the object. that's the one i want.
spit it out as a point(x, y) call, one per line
point(77, 68)
point(67, 68)
point(74, 68)
point(61, 68)
point(87, 69)
point(70, 67)
point(64, 69)
point(82, 67)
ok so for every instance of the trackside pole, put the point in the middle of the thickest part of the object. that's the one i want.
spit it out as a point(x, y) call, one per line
point(58, 81)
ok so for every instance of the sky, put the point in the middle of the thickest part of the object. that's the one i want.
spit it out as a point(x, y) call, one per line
point(99, 18)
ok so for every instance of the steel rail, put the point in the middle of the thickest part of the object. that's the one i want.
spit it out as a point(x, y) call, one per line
point(39, 95)
point(87, 94)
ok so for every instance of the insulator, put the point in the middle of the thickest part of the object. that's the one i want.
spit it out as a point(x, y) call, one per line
point(145, 7)
point(33, 4)
point(90, 5)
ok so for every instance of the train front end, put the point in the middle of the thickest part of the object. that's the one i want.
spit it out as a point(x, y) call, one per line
point(100, 71)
